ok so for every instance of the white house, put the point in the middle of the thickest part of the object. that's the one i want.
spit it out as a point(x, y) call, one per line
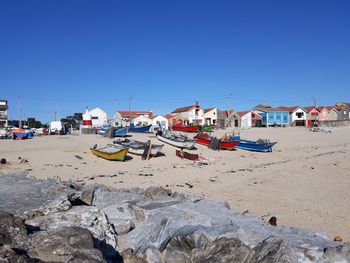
point(98, 117)
point(141, 121)
point(191, 113)
point(250, 119)
point(118, 121)
point(211, 116)
point(160, 122)
point(298, 116)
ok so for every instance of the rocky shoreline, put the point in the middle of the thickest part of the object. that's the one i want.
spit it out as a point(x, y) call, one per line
point(53, 221)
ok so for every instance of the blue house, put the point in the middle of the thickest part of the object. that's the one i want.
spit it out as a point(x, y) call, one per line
point(273, 116)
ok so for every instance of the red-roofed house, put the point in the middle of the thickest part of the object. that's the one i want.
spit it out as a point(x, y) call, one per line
point(250, 119)
point(228, 118)
point(313, 115)
point(191, 114)
point(127, 116)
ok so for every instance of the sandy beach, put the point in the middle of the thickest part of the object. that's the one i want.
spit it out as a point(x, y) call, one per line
point(304, 182)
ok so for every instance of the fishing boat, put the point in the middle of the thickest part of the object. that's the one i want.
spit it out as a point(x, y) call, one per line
point(110, 152)
point(138, 148)
point(176, 140)
point(186, 128)
point(226, 143)
point(260, 145)
point(21, 134)
point(119, 131)
point(139, 129)
point(209, 128)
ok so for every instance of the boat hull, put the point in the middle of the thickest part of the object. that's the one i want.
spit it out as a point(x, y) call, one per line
point(186, 128)
point(254, 146)
point(120, 132)
point(183, 145)
point(143, 129)
point(118, 155)
point(155, 148)
point(231, 145)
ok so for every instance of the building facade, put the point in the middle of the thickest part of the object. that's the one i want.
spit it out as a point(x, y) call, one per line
point(250, 119)
point(3, 113)
point(160, 122)
point(273, 116)
point(211, 116)
point(98, 117)
point(191, 114)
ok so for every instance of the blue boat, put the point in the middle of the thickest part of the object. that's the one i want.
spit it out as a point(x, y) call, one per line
point(117, 132)
point(140, 129)
point(258, 146)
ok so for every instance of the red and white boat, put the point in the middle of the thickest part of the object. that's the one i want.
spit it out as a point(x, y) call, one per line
point(226, 144)
point(186, 128)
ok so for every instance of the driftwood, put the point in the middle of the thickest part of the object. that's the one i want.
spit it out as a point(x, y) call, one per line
point(147, 152)
point(186, 155)
point(214, 143)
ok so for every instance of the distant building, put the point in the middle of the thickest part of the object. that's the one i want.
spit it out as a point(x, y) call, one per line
point(176, 119)
point(128, 116)
point(141, 121)
point(229, 118)
point(98, 117)
point(273, 116)
point(160, 122)
point(297, 115)
point(250, 119)
point(343, 112)
point(3, 113)
point(313, 115)
point(211, 116)
point(191, 114)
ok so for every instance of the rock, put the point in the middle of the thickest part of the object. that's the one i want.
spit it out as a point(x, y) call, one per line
point(31, 196)
point(337, 254)
point(68, 244)
point(224, 250)
point(12, 230)
point(88, 196)
point(90, 218)
point(274, 250)
point(129, 257)
point(152, 255)
point(154, 192)
point(3, 161)
point(125, 227)
point(273, 221)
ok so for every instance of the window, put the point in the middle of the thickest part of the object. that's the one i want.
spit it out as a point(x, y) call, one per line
point(94, 118)
point(300, 114)
point(253, 115)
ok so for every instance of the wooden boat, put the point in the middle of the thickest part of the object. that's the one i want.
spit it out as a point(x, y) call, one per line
point(110, 152)
point(258, 146)
point(176, 140)
point(186, 128)
point(139, 129)
point(21, 134)
point(206, 139)
point(119, 131)
point(209, 128)
point(138, 148)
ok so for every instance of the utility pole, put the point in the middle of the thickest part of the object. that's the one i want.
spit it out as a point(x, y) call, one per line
point(130, 98)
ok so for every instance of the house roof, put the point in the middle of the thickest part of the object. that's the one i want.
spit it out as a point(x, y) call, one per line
point(272, 109)
point(290, 108)
point(133, 114)
point(207, 110)
point(310, 108)
point(183, 109)
point(242, 113)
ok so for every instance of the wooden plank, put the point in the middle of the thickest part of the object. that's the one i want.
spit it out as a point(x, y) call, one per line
point(186, 155)
point(145, 154)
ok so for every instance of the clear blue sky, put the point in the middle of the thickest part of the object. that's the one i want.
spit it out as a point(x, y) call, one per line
point(65, 55)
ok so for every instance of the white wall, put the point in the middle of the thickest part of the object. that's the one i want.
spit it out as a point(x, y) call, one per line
point(160, 120)
point(246, 120)
point(212, 115)
point(141, 121)
point(98, 117)
point(295, 117)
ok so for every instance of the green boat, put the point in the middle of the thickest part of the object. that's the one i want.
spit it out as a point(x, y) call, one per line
point(209, 128)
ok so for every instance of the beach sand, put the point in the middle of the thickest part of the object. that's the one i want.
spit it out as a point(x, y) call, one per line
point(304, 182)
